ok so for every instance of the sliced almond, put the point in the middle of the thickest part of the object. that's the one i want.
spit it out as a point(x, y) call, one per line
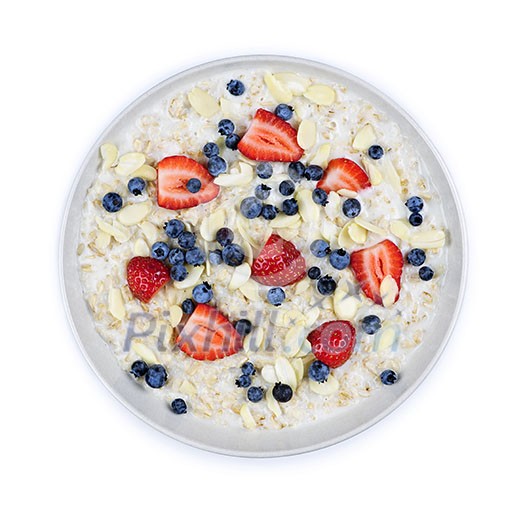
point(333, 207)
point(102, 240)
point(241, 274)
point(244, 230)
point(297, 84)
point(285, 372)
point(241, 175)
point(284, 221)
point(293, 340)
point(328, 229)
point(247, 417)
point(268, 374)
point(357, 233)
point(203, 103)
point(307, 134)
point(343, 239)
point(116, 304)
point(150, 231)
point(327, 388)
point(298, 366)
point(308, 209)
point(250, 290)
point(144, 352)
point(302, 286)
point(175, 315)
point(401, 229)
point(109, 154)
point(229, 108)
point(134, 213)
point(121, 234)
point(272, 403)
point(369, 226)
point(146, 172)
point(277, 89)
point(388, 291)
point(320, 94)
point(193, 277)
point(311, 315)
point(386, 339)
point(130, 162)
point(322, 155)
point(306, 348)
point(347, 193)
point(365, 138)
point(373, 171)
point(390, 173)
point(345, 305)
point(187, 388)
point(254, 341)
point(141, 248)
point(427, 239)
point(211, 224)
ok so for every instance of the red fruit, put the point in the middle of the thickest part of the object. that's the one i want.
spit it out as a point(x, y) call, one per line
point(371, 265)
point(269, 138)
point(208, 335)
point(333, 342)
point(280, 263)
point(146, 276)
point(343, 174)
point(173, 174)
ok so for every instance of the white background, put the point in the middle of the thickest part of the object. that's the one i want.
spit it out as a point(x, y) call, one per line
point(70, 67)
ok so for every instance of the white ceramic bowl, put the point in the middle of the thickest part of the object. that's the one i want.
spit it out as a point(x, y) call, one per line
point(346, 422)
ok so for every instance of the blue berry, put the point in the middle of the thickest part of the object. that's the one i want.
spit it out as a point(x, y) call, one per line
point(235, 87)
point(178, 272)
point(244, 327)
point(318, 371)
point(269, 212)
point(243, 381)
point(262, 191)
point(426, 273)
point(255, 394)
point(233, 255)
point(371, 324)
point(112, 202)
point(226, 127)
point(231, 141)
point(282, 392)
point(138, 369)
point(160, 250)
point(264, 170)
point(173, 228)
point(251, 207)
point(290, 207)
point(320, 248)
point(276, 296)
point(319, 196)
point(176, 256)
point(210, 149)
point(286, 187)
point(215, 257)
point(326, 285)
point(339, 259)
point(351, 207)
point(416, 256)
point(186, 240)
point(193, 185)
point(216, 165)
point(414, 204)
point(415, 219)
point(156, 376)
point(202, 293)
point(388, 377)
point(314, 273)
point(224, 236)
point(136, 186)
point(296, 171)
point(313, 172)
point(375, 152)
point(178, 406)
point(195, 257)
point(248, 368)
point(283, 111)
point(188, 306)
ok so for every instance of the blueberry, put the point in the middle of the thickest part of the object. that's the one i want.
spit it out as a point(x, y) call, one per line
point(210, 149)
point(290, 207)
point(224, 236)
point(351, 207)
point(415, 219)
point(269, 212)
point(414, 204)
point(376, 152)
point(195, 257)
point(320, 248)
point(339, 259)
point(426, 273)
point(319, 196)
point(202, 293)
point(276, 296)
point(136, 186)
point(193, 185)
point(178, 406)
point(326, 285)
point(156, 376)
point(255, 394)
point(138, 369)
point(235, 87)
point(388, 377)
point(178, 272)
point(248, 368)
point(215, 257)
point(416, 256)
point(176, 256)
point(216, 165)
point(231, 141)
point(188, 306)
point(186, 240)
point(296, 170)
point(264, 170)
point(112, 202)
point(173, 228)
point(314, 272)
point(371, 324)
point(282, 392)
point(286, 187)
point(226, 127)
point(313, 172)
point(262, 191)
point(318, 371)
point(160, 250)
point(233, 255)
point(243, 381)
point(244, 327)
point(283, 111)
point(251, 207)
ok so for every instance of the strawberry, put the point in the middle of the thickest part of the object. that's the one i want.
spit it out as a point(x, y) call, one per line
point(173, 174)
point(269, 138)
point(146, 276)
point(280, 263)
point(371, 265)
point(343, 174)
point(333, 342)
point(208, 335)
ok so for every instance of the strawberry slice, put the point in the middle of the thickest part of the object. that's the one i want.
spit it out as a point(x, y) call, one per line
point(269, 138)
point(146, 276)
point(173, 174)
point(343, 174)
point(208, 335)
point(333, 342)
point(280, 263)
point(371, 265)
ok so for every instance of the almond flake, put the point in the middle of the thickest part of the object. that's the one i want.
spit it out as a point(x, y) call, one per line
point(390, 174)
point(143, 351)
point(293, 340)
point(134, 213)
point(141, 248)
point(211, 224)
point(284, 221)
point(109, 154)
point(229, 108)
point(102, 240)
point(345, 306)
point(307, 134)
point(325, 388)
point(308, 209)
point(268, 374)
point(193, 277)
point(240, 176)
point(251, 290)
point(388, 291)
point(373, 171)
point(401, 229)
point(347, 193)
point(175, 315)
point(253, 341)
point(241, 274)
point(320, 94)
point(116, 304)
point(306, 348)
point(146, 172)
point(247, 417)
point(369, 226)
point(150, 231)
point(312, 315)
point(357, 233)
point(272, 403)
point(277, 89)
point(298, 366)
point(203, 103)
point(285, 372)
point(187, 388)
point(294, 82)
point(322, 155)
point(121, 234)
point(364, 138)
point(428, 239)
point(129, 162)
point(333, 207)
point(386, 339)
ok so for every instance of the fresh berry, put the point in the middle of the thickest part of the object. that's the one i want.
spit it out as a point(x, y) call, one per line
point(188, 306)
point(339, 259)
point(232, 141)
point(173, 228)
point(426, 273)
point(186, 240)
point(279, 263)
point(313, 172)
point(173, 175)
point(376, 152)
point(193, 185)
point(388, 377)
point(269, 212)
point(326, 285)
point(243, 381)
point(282, 392)
point(264, 170)
point(251, 207)
point(269, 138)
point(320, 248)
point(415, 219)
point(215, 257)
point(178, 406)
point(371, 265)
point(195, 257)
point(156, 376)
point(216, 165)
point(178, 272)
point(136, 186)
point(285, 112)
point(146, 276)
point(208, 335)
point(226, 127)
point(233, 255)
point(176, 256)
point(314, 272)
point(371, 324)
point(244, 327)
point(276, 296)
point(296, 171)
point(202, 293)
point(318, 371)
point(351, 207)
point(224, 236)
point(160, 250)
point(235, 87)
point(343, 174)
point(416, 257)
point(248, 368)
point(255, 394)
point(290, 207)
point(262, 192)
point(333, 342)
point(138, 369)
point(320, 197)
point(286, 187)
point(112, 202)
point(414, 204)
point(210, 149)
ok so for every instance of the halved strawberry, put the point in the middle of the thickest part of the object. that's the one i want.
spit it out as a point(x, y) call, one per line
point(146, 276)
point(280, 263)
point(333, 342)
point(371, 265)
point(173, 174)
point(208, 335)
point(269, 138)
point(343, 174)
